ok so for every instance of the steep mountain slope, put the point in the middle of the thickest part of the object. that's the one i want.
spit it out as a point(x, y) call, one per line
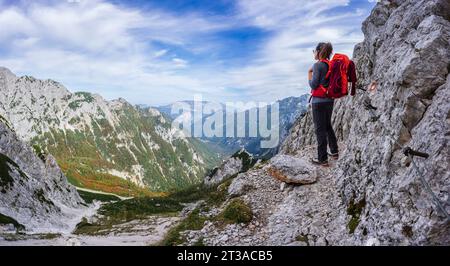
point(374, 194)
point(406, 52)
point(104, 145)
point(289, 110)
point(34, 193)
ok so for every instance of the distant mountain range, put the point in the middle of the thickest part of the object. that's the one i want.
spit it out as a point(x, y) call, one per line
point(289, 110)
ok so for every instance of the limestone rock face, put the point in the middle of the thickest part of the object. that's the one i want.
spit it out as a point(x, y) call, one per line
point(293, 170)
point(406, 52)
point(240, 186)
point(373, 195)
point(33, 190)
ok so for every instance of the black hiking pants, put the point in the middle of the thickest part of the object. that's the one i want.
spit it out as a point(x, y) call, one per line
point(322, 113)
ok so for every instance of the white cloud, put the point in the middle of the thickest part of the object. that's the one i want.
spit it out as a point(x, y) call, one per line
point(97, 46)
point(281, 66)
point(160, 53)
point(105, 48)
point(180, 63)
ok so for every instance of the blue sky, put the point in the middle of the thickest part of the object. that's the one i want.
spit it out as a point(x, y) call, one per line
point(160, 51)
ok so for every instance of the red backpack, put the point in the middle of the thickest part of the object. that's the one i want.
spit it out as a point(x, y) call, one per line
point(341, 71)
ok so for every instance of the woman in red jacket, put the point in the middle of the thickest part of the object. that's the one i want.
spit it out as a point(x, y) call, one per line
point(322, 106)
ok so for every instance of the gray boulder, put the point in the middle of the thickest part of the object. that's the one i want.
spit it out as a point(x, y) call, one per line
point(292, 170)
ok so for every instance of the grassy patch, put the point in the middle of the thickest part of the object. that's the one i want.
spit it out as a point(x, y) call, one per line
point(219, 194)
point(354, 209)
point(86, 95)
point(131, 209)
point(89, 197)
point(237, 211)
point(303, 238)
point(39, 152)
point(8, 220)
point(127, 210)
point(81, 172)
point(213, 195)
point(194, 221)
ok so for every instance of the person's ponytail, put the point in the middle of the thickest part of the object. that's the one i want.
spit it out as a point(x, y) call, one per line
point(324, 49)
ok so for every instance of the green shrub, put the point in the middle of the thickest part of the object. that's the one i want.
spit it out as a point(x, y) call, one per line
point(194, 221)
point(39, 152)
point(354, 210)
point(303, 238)
point(237, 211)
point(247, 160)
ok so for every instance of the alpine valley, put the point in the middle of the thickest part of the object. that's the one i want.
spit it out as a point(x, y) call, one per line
point(109, 146)
point(289, 110)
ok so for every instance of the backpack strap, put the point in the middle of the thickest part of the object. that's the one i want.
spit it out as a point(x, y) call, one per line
point(326, 61)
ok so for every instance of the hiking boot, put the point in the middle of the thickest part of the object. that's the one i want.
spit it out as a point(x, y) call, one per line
point(334, 156)
point(317, 162)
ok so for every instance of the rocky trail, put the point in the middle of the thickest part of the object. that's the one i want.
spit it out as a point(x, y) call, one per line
point(102, 193)
point(282, 212)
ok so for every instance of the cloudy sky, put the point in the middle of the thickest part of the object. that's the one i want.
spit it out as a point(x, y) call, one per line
point(160, 51)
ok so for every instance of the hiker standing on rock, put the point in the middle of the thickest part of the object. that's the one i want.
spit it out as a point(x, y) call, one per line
point(322, 105)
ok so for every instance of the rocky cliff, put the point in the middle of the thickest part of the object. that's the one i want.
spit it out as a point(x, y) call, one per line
point(406, 53)
point(374, 194)
point(34, 194)
point(104, 145)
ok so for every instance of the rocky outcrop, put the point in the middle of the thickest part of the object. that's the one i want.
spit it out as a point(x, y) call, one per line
point(373, 195)
point(241, 161)
point(406, 53)
point(33, 190)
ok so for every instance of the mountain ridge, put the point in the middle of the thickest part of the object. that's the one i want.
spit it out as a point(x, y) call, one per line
point(112, 138)
point(290, 109)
